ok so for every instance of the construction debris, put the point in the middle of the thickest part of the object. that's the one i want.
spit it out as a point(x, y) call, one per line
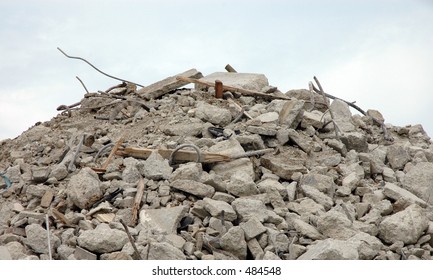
point(230, 169)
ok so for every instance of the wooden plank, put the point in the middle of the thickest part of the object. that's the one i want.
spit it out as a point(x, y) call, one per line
point(162, 87)
point(137, 200)
point(234, 89)
point(181, 155)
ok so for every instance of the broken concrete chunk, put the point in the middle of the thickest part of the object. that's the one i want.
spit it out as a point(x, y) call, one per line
point(247, 208)
point(323, 183)
point(291, 113)
point(407, 225)
point(418, 180)
point(155, 167)
point(83, 254)
point(396, 193)
point(216, 207)
point(84, 188)
point(252, 228)
point(355, 141)
point(335, 224)
point(227, 169)
point(241, 184)
point(285, 164)
point(307, 229)
point(317, 196)
point(251, 81)
point(342, 115)
point(313, 118)
point(164, 220)
point(4, 253)
point(268, 117)
point(213, 114)
point(102, 239)
point(196, 188)
point(331, 249)
point(234, 242)
point(397, 156)
point(265, 129)
point(37, 239)
point(189, 127)
point(162, 87)
point(40, 174)
point(188, 171)
point(164, 251)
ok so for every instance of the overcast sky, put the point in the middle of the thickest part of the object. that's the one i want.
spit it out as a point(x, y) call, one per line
point(377, 53)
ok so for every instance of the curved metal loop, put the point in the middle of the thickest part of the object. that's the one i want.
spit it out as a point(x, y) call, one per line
point(102, 150)
point(185, 146)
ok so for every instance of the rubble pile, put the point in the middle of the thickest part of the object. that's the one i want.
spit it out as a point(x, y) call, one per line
point(168, 172)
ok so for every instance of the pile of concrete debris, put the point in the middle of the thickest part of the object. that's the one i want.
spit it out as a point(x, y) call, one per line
point(230, 169)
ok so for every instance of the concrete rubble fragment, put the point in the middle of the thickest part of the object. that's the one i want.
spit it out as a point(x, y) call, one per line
point(284, 185)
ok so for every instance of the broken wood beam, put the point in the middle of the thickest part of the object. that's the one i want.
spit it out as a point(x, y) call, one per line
point(230, 69)
point(234, 89)
point(181, 155)
point(218, 89)
point(162, 87)
point(137, 200)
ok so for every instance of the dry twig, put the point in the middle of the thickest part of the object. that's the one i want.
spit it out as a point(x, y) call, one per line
point(336, 128)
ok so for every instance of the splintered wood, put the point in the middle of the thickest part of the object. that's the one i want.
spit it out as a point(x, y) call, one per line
point(137, 200)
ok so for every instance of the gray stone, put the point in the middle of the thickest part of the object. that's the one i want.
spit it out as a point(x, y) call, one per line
point(223, 197)
point(252, 228)
point(188, 171)
point(164, 251)
point(234, 242)
point(247, 208)
point(296, 250)
point(271, 256)
point(291, 113)
point(227, 169)
point(355, 141)
point(397, 156)
point(368, 246)
point(84, 188)
point(175, 240)
point(407, 226)
point(14, 173)
point(4, 253)
point(130, 174)
point(313, 118)
point(255, 248)
point(335, 224)
point(82, 254)
point(317, 196)
point(419, 181)
point(377, 159)
point(331, 249)
point(306, 207)
point(102, 239)
point(184, 127)
point(163, 220)
point(396, 193)
point(37, 239)
point(306, 229)
point(40, 173)
point(251, 81)
point(241, 184)
point(342, 115)
point(267, 117)
point(155, 167)
point(321, 182)
point(216, 207)
point(337, 145)
point(16, 249)
point(59, 171)
point(389, 175)
point(291, 190)
point(265, 129)
point(196, 188)
point(213, 114)
point(36, 190)
point(285, 164)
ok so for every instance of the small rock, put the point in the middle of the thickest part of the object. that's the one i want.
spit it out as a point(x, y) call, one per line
point(291, 113)
point(317, 196)
point(216, 207)
point(331, 249)
point(342, 115)
point(213, 114)
point(307, 230)
point(264, 129)
point(37, 239)
point(255, 248)
point(323, 183)
point(223, 197)
point(188, 171)
point(285, 164)
point(335, 224)
point(271, 256)
point(247, 208)
point(196, 188)
point(418, 181)
point(164, 220)
point(396, 193)
point(40, 174)
point(83, 254)
point(4, 253)
point(234, 242)
point(313, 118)
point(397, 156)
point(84, 188)
point(252, 228)
point(355, 141)
point(241, 184)
point(164, 251)
point(155, 167)
point(268, 117)
point(102, 239)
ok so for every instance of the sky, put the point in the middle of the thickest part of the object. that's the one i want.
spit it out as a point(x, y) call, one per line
point(377, 53)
